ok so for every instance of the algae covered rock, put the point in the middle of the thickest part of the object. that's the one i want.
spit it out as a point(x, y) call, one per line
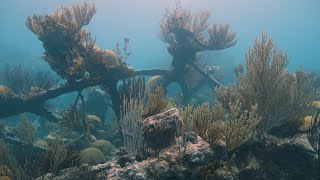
point(103, 145)
point(42, 143)
point(279, 158)
point(92, 156)
point(159, 131)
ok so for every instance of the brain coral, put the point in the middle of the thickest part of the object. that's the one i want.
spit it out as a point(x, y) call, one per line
point(110, 59)
point(92, 156)
point(153, 82)
point(105, 146)
point(42, 143)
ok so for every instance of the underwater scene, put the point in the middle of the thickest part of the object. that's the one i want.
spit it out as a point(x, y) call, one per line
point(159, 89)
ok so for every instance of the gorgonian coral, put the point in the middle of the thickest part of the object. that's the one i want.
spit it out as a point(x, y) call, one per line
point(213, 125)
point(283, 98)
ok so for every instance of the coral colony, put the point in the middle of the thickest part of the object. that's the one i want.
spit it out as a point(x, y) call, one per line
point(263, 126)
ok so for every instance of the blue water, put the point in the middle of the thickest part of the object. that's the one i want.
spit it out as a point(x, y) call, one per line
point(293, 24)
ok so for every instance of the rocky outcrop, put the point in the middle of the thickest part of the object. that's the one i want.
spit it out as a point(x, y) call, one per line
point(159, 131)
point(265, 158)
point(191, 157)
point(277, 158)
point(170, 164)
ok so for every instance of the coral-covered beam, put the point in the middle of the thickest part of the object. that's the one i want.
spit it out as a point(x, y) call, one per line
point(151, 72)
point(205, 74)
point(35, 103)
point(14, 105)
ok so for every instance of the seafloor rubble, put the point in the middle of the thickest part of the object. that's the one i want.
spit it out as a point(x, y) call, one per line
point(263, 126)
point(267, 158)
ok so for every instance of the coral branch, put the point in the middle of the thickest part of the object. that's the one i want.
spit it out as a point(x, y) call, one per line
point(11, 105)
point(34, 103)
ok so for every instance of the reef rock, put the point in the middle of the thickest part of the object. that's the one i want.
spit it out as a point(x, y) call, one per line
point(277, 158)
point(266, 157)
point(159, 131)
point(169, 164)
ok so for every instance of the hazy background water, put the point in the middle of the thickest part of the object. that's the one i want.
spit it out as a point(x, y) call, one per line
point(294, 25)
